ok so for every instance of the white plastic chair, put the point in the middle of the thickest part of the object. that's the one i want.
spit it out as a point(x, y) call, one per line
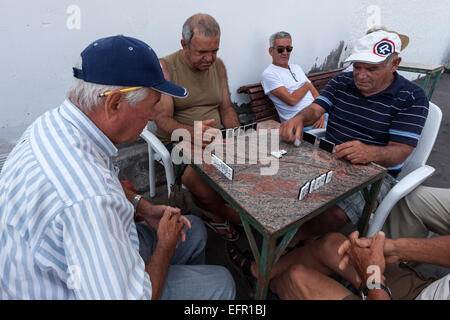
point(157, 151)
point(413, 173)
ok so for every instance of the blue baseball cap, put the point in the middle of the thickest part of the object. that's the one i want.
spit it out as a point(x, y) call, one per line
point(125, 61)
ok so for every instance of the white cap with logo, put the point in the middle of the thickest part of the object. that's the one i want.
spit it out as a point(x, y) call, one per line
point(375, 47)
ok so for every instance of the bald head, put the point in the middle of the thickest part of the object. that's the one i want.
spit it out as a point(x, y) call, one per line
point(200, 24)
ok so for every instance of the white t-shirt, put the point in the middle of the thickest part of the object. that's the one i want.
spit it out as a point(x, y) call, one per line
point(438, 290)
point(275, 77)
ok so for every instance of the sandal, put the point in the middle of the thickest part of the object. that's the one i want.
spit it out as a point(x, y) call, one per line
point(241, 262)
point(219, 226)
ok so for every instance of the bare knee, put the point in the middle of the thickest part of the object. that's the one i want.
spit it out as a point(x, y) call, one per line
point(327, 247)
point(199, 188)
point(301, 282)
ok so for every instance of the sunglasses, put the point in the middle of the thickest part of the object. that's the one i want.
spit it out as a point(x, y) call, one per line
point(281, 49)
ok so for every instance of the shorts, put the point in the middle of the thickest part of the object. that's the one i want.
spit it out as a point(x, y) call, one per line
point(353, 205)
point(405, 282)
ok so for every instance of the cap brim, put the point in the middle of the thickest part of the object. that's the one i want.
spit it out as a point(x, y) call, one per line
point(171, 89)
point(365, 57)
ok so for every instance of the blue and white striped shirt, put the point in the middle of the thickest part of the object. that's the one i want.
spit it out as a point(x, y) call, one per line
point(66, 227)
point(396, 114)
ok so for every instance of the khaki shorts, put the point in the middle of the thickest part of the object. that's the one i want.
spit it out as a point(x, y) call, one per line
point(405, 282)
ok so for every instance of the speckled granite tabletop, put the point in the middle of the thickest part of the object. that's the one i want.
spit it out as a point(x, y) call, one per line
point(272, 200)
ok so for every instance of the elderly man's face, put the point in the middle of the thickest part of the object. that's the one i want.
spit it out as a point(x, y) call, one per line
point(202, 51)
point(374, 78)
point(281, 59)
point(133, 119)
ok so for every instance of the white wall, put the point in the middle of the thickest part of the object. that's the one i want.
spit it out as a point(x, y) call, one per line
point(38, 50)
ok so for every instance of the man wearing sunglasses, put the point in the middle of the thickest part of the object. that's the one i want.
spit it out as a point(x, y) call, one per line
point(285, 83)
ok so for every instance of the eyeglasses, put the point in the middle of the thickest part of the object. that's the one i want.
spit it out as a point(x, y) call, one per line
point(281, 49)
point(107, 93)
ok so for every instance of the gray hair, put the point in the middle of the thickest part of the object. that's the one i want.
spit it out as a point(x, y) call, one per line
point(86, 95)
point(392, 57)
point(278, 35)
point(205, 25)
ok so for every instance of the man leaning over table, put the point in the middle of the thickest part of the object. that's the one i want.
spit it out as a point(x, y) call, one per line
point(375, 115)
point(66, 226)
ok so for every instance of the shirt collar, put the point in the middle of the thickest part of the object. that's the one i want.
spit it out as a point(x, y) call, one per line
point(82, 122)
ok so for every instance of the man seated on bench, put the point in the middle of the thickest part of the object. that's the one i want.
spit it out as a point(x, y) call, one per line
point(376, 115)
point(286, 84)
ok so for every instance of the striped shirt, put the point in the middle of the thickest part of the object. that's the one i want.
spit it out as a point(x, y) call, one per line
point(396, 114)
point(66, 227)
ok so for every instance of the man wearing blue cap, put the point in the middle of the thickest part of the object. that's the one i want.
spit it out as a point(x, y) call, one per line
point(66, 227)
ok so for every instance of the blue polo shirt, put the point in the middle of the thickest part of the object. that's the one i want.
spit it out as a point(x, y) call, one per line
point(396, 114)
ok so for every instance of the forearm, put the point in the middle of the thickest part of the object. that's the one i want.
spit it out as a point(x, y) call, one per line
point(389, 155)
point(314, 91)
point(432, 250)
point(229, 118)
point(157, 268)
point(310, 115)
point(168, 124)
point(298, 94)
point(144, 207)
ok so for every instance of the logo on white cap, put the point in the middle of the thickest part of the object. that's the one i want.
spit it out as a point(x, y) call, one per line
point(384, 48)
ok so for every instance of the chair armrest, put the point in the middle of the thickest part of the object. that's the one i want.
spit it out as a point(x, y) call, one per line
point(155, 143)
point(155, 146)
point(401, 189)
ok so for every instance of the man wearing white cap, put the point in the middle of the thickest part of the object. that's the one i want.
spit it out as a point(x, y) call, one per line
point(67, 229)
point(375, 115)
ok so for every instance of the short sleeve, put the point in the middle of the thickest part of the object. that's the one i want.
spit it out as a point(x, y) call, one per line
point(407, 124)
point(270, 81)
point(327, 95)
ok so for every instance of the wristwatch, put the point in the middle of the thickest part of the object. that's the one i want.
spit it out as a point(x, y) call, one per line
point(375, 285)
point(135, 203)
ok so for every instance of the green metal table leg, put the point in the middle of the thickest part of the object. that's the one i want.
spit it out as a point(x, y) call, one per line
point(270, 253)
point(265, 266)
point(425, 82)
point(436, 78)
point(370, 198)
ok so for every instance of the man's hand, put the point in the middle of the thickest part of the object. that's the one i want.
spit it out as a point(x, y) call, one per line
point(153, 217)
point(169, 230)
point(292, 129)
point(168, 233)
point(319, 123)
point(200, 127)
point(355, 151)
point(363, 253)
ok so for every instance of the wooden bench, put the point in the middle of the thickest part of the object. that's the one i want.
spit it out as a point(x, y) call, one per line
point(261, 108)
